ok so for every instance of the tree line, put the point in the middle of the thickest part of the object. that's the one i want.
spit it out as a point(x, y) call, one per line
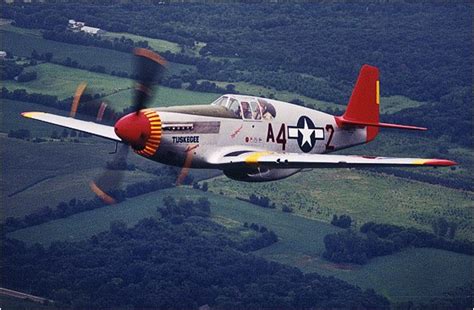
point(74, 206)
point(307, 37)
point(90, 106)
point(311, 61)
point(384, 239)
point(160, 265)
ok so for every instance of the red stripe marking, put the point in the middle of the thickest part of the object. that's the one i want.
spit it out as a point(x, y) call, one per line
point(440, 162)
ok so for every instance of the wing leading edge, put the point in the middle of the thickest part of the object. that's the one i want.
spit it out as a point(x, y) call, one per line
point(95, 129)
point(295, 160)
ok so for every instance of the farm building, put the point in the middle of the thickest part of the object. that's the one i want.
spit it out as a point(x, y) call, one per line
point(75, 25)
point(92, 30)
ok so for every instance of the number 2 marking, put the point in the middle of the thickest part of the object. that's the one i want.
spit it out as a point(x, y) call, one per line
point(330, 130)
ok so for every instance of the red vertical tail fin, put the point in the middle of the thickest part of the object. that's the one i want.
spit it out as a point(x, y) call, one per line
point(364, 104)
point(363, 107)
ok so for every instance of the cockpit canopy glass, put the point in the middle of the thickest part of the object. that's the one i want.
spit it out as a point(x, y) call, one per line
point(222, 100)
point(248, 108)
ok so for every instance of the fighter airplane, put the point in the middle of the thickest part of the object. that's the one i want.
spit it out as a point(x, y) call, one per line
point(249, 138)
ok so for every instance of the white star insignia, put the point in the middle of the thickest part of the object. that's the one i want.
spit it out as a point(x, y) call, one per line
point(306, 132)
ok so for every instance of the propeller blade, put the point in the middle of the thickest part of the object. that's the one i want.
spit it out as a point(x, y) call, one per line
point(100, 113)
point(77, 97)
point(150, 70)
point(187, 164)
point(106, 186)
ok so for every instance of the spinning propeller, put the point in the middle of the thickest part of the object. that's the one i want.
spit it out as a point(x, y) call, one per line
point(140, 129)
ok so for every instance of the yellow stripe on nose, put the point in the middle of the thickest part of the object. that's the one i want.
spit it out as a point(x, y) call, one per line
point(377, 90)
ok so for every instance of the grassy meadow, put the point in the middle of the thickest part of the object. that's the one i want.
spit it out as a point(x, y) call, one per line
point(388, 105)
point(55, 170)
point(365, 196)
point(62, 81)
point(22, 42)
point(156, 44)
point(164, 97)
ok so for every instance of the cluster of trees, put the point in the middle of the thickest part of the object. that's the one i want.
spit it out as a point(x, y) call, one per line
point(350, 247)
point(19, 134)
point(443, 228)
point(343, 221)
point(258, 242)
point(262, 201)
point(204, 187)
point(457, 298)
point(27, 76)
point(450, 116)
point(205, 86)
point(160, 265)
point(120, 44)
point(256, 227)
point(178, 211)
point(326, 72)
point(74, 206)
point(48, 56)
point(90, 103)
point(405, 237)
point(9, 69)
point(385, 239)
point(458, 183)
point(307, 37)
point(22, 95)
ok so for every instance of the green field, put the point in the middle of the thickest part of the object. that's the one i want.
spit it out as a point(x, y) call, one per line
point(22, 42)
point(62, 81)
point(363, 195)
point(62, 163)
point(165, 97)
point(159, 45)
point(71, 166)
point(396, 143)
point(156, 44)
point(388, 105)
point(83, 225)
point(414, 274)
point(261, 91)
point(10, 116)
point(393, 104)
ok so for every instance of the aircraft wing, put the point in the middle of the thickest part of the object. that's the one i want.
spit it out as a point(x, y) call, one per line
point(95, 129)
point(297, 160)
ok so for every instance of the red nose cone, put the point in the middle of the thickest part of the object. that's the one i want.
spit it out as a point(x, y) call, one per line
point(134, 129)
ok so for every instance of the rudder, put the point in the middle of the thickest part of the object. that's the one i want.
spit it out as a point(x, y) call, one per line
point(365, 100)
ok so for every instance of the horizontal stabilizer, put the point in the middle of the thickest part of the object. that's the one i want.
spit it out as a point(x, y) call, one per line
point(341, 121)
point(92, 128)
